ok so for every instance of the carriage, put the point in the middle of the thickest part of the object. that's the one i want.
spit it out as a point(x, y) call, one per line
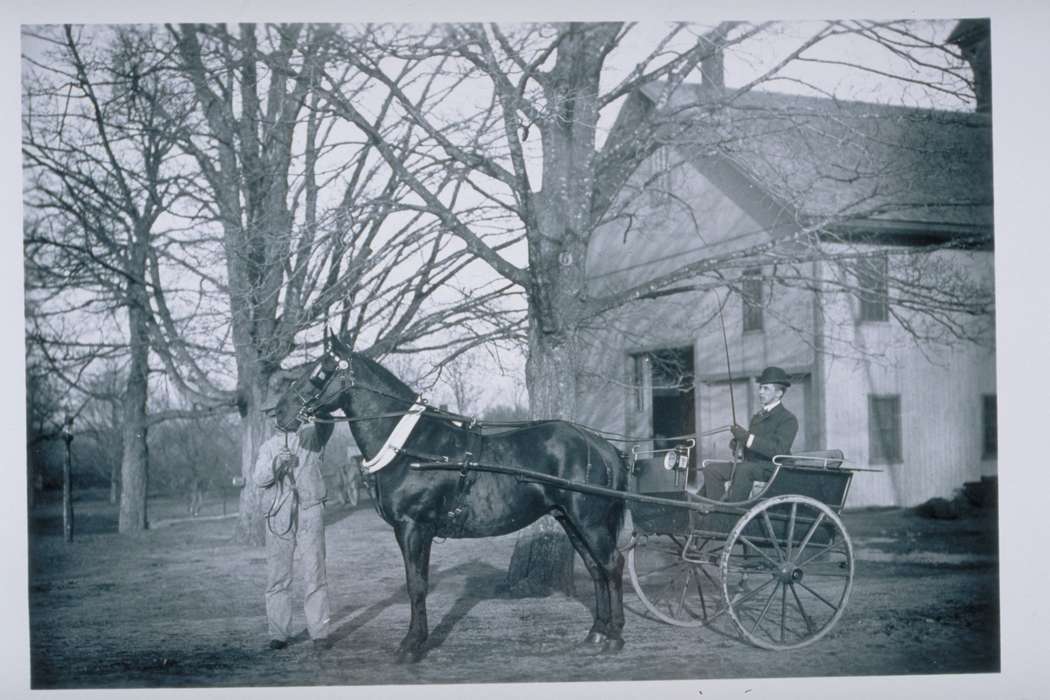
point(779, 564)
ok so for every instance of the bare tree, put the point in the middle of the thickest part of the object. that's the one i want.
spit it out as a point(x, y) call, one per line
point(99, 153)
point(459, 377)
point(100, 420)
point(313, 224)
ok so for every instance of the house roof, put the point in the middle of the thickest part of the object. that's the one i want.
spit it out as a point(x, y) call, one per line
point(855, 167)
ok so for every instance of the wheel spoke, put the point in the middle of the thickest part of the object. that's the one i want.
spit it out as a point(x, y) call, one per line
point(700, 592)
point(809, 534)
point(758, 549)
point(810, 573)
point(772, 534)
point(765, 608)
point(791, 530)
point(824, 549)
point(802, 610)
point(665, 583)
point(819, 597)
point(667, 591)
point(658, 570)
point(703, 570)
point(752, 593)
point(685, 592)
point(783, 601)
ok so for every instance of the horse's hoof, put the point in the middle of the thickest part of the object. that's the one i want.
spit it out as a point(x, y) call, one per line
point(612, 645)
point(408, 657)
point(595, 639)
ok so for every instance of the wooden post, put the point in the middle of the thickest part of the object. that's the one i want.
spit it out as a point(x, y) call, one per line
point(67, 481)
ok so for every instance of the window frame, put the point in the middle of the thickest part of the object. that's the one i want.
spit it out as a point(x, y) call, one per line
point(752, 315)
point(878, 424)
point(873, 288)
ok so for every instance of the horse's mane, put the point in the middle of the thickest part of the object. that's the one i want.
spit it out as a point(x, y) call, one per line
point(384, 376)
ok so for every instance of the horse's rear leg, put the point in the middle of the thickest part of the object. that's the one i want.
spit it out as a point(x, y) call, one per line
point(615, 573)
point(609, 562)
point(415, 549)
point(608, 591)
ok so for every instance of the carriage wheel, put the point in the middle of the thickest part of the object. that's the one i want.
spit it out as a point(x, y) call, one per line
point(787, 571)
point(676, 578)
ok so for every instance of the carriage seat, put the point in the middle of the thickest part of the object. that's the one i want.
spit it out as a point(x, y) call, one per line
point(827, 459)
point(818, 476)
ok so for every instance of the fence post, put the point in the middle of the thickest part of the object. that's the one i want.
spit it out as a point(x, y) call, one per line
point(67, 481)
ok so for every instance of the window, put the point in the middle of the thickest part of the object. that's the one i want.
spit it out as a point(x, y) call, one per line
point(751, 291)
point(872, 278)
point(659, 183)
point(990, 426)
point(638, 376)
point(884, 429)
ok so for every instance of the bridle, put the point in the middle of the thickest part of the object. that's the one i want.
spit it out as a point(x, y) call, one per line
point(329, 368)
point(320, 380)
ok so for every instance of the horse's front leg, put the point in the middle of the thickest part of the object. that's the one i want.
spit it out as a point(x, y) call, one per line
point(415, 541)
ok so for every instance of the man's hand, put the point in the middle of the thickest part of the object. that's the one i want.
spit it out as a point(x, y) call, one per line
point(739, 434)
point(284, 464)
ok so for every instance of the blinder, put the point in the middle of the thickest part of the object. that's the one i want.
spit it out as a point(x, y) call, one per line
point(330, 367)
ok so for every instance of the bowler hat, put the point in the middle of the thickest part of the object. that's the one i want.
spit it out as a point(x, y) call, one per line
point(774, 375)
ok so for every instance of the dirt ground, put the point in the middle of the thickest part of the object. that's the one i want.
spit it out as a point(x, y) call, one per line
point(182, 605)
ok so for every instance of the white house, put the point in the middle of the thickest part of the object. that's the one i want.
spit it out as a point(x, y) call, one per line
point(868, 268)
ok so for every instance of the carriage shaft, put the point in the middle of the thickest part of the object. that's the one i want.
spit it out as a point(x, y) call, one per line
point(704, 505)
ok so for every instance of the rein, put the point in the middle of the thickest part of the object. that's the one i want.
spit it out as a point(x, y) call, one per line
point(449, 417)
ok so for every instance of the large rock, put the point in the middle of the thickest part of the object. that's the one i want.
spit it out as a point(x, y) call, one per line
point(983, 493)
point(938, 508)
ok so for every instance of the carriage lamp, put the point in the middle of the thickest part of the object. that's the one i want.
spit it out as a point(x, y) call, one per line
point(677, 458)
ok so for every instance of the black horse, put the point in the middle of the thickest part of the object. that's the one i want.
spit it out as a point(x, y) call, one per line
point(424, 504)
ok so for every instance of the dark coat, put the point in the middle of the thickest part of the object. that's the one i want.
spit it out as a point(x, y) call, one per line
point(774, 432)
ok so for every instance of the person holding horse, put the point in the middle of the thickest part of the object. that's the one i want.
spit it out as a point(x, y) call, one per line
point(289, 469)
point(771, 432)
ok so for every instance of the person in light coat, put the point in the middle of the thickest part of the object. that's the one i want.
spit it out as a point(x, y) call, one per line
point(288, 468)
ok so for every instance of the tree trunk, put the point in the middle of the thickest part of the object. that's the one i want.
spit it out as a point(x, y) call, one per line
point(134, 467)
point(134, 461)
point(114, 482)
point(67, 482)
point(543, 556)
point(256, 428)
point(251, 520)
point(543, 559)
point(114, 454)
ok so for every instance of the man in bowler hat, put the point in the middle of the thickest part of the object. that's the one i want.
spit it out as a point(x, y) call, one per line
point(771, 432)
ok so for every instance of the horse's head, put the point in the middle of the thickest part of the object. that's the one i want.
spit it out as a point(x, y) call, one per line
point(320, 389)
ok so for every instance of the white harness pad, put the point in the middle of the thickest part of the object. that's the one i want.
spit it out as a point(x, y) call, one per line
point(396, 440)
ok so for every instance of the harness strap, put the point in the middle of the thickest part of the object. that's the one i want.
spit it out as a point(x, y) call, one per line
point(457, 516)
point(392, 447)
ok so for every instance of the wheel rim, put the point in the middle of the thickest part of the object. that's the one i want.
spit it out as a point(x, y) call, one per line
point(672, 589)
point(787, 572)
